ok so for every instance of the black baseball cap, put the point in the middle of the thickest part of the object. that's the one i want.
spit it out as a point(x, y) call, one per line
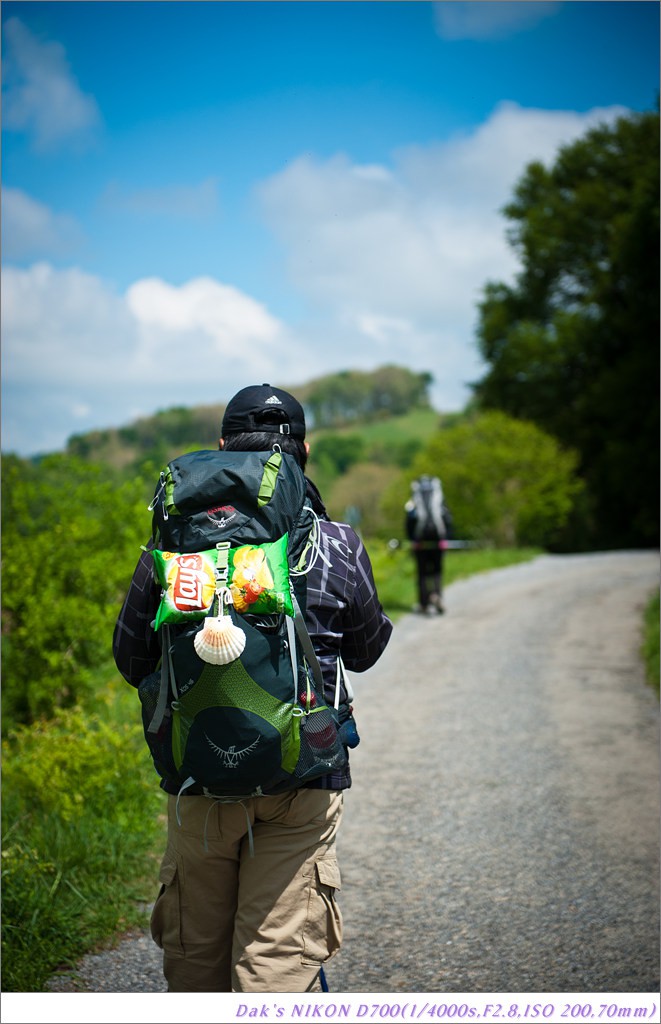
point(263, 407)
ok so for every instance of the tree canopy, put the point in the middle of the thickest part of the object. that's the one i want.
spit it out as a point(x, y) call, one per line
point(573, 344)
point(350, 396)
point(506, 481)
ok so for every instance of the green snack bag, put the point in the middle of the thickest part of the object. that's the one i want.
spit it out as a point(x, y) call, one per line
point(259, 578)
point(188, 582)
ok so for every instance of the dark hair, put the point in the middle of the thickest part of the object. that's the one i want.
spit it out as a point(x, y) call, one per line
point(263, 441)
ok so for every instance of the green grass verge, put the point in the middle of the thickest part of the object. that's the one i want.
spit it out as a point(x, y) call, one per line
point(82, 820)
point(650, 647)
point(394, 570)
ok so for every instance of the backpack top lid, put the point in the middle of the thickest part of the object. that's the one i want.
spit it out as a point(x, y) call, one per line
point(427, 484)
point(204, 497)
point(427, 497)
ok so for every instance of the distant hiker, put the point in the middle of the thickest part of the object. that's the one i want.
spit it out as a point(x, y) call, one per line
point(248, 895)
point(428, 525)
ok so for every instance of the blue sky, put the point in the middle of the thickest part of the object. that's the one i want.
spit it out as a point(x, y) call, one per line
point(199, 196)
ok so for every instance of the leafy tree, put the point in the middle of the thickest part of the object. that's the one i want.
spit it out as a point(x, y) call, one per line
point(156, 438)
point(506, 482)
point(395, 452)
point(71, 536)
point(352, 395)
point(356, 497)
point(573, 345)
point(333, 454)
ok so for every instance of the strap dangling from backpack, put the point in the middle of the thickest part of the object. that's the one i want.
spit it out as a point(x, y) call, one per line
point(167, 675)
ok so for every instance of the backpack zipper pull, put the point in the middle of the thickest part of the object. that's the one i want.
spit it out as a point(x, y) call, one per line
point(161, 486)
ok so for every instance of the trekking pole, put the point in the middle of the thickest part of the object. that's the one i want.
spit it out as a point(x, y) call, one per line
point(322, 978)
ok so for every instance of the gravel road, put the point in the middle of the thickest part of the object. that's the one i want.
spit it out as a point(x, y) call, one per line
point(502, 833)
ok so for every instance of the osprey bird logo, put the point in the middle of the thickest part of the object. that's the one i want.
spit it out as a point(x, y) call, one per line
point(230, 758)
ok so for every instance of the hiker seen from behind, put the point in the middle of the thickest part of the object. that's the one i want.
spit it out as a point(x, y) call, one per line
point(247, 611)
point(428, 525)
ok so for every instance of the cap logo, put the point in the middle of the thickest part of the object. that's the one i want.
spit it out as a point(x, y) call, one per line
point(273, 400)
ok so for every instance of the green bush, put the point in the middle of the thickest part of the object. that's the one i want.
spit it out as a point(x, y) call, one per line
point(651, 642)
point(71, 535)
point(355, 496)
point(81, 817)
point(507, 483)
point(395, 574)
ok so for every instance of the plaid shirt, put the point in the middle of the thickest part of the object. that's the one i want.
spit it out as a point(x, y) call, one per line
point(344, 616)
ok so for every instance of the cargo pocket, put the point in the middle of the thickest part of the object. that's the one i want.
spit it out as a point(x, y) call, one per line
point(166, 915)
point(322, 934)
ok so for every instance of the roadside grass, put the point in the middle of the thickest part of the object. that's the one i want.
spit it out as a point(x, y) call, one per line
point(82, 821)
point(650, 645)
point(394, 570)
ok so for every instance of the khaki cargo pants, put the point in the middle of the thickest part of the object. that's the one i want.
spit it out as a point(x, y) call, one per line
point(231, 922)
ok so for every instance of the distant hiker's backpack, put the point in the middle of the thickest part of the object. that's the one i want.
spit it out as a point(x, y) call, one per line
point(425, 511)
point(237, 706)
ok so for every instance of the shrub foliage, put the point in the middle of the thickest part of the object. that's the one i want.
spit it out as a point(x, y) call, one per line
point(506, 482)
point(71, 537)
point(80, 815)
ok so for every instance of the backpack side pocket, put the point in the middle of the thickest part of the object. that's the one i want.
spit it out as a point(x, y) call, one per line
point(159, 742)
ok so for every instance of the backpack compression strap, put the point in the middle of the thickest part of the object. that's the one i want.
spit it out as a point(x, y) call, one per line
point(166, 675)
point(313, 661)
point(306, 644)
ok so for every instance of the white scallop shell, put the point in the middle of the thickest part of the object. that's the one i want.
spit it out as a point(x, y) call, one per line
point(219, 641)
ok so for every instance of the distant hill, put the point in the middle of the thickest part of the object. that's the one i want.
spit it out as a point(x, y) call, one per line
point(348, 402)
point(154, 438)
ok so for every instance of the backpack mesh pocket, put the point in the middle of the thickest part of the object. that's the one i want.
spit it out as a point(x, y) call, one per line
point(322, 751)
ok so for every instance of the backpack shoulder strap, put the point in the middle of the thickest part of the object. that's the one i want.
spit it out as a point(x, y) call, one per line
point(306, 644)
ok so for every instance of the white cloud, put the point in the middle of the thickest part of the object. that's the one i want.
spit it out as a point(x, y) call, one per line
point(63, 330)
point(222, 325)
point(478, 170)
point(393, 263)
point(41, 96)
point(76, 355)
point(30, 229)
point(382, 328)
point(489, 19)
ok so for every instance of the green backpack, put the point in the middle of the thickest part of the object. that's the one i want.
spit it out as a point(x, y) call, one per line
point(237, 705)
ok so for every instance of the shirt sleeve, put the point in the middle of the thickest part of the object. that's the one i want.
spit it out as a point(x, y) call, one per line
point(367, 628)
point(136, 646)
point(344, 615)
